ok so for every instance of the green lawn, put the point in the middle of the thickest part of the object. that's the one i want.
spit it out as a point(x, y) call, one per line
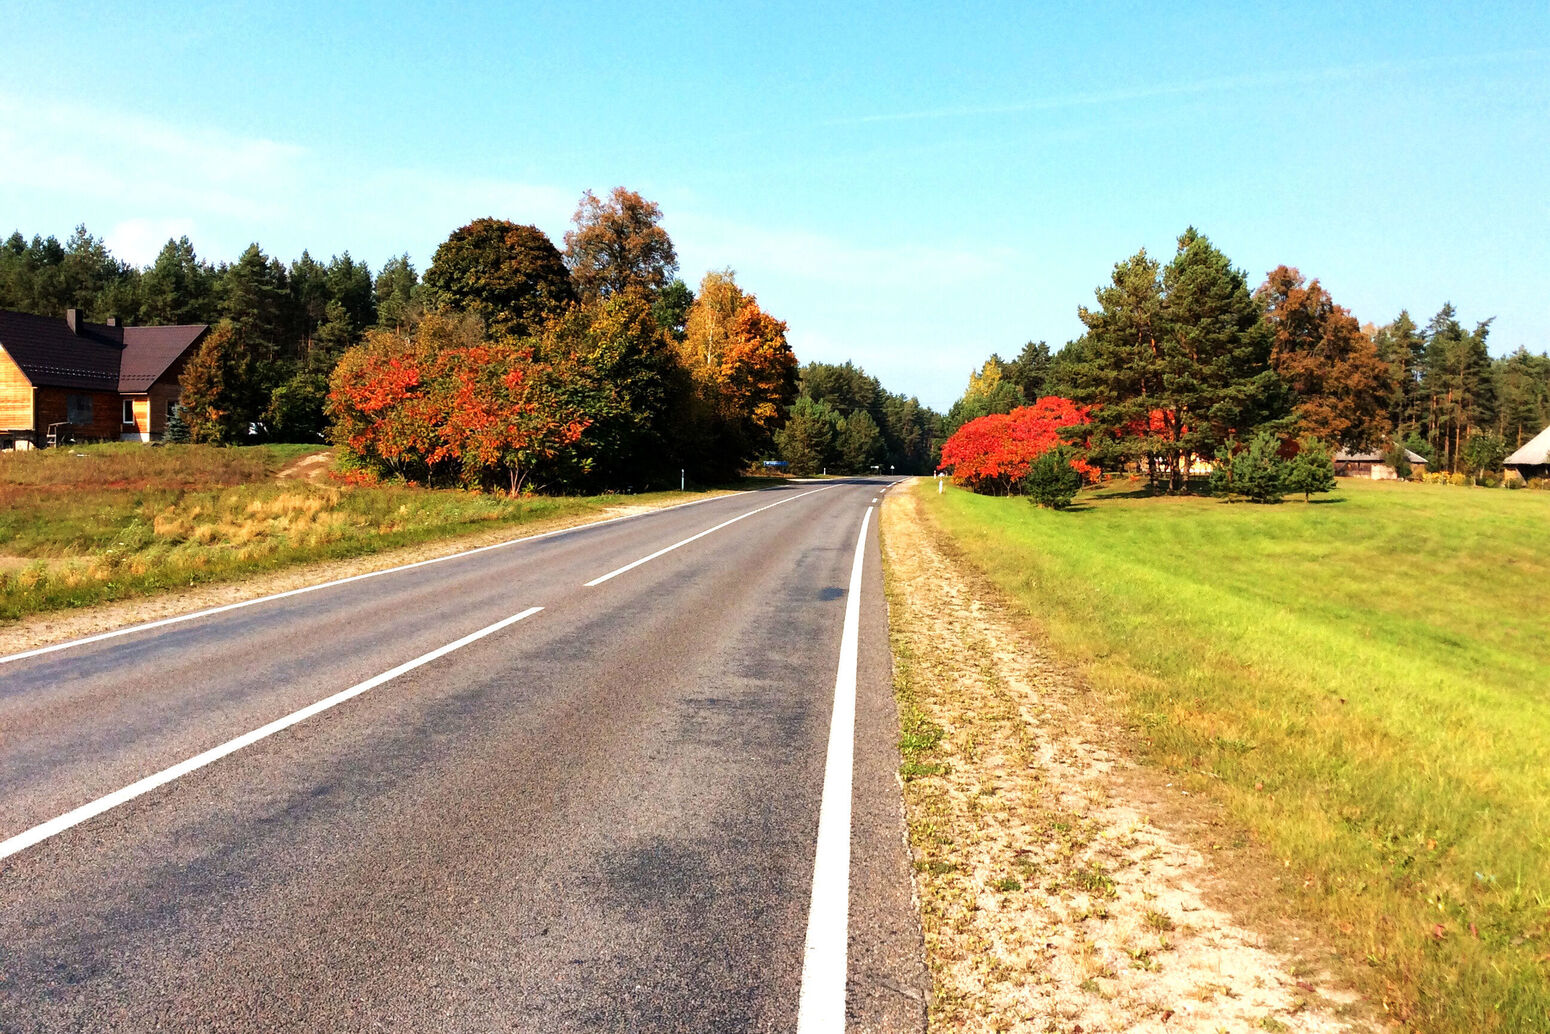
point(1364, 682)
point(87, 524)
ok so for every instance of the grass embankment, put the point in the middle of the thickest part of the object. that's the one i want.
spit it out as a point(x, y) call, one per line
point(89, 524)
point(1363, 683)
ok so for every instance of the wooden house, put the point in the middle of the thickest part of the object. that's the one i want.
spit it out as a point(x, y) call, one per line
point(69, 380)
point(1533, 460)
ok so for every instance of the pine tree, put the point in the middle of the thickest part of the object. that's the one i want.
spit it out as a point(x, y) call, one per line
point(1176, 361)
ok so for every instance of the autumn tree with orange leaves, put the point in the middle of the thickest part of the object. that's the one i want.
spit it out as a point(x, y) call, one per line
point(743, 369)
point(1340, 383)
point(618, 246)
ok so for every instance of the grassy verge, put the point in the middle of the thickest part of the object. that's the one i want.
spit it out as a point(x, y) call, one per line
point(1362, 683)
point(92, 524)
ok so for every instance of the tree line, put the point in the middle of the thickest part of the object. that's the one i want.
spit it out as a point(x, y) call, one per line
point(1184, 363)
point(512, 364)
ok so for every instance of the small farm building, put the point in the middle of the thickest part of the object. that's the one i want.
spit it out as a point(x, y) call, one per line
point(1369, 464)
point(63, 379)
point(1533, 460)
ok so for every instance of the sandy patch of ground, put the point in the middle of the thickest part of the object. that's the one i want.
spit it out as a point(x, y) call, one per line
point(62, 626)
point(308, 468)
point(1062, 887)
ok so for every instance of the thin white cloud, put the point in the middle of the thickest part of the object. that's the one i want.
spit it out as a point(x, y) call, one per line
point(149, 166)
point(140, 240)
point(1215, 84)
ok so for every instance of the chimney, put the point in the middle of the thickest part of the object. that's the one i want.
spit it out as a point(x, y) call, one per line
point(73, 318)
point(112, 321)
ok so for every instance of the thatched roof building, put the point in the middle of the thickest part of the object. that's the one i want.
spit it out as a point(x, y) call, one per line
point(1369, 463)
point(1533, 460)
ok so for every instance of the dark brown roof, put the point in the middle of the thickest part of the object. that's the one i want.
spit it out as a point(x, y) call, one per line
point(100, 357)
point(149, 351)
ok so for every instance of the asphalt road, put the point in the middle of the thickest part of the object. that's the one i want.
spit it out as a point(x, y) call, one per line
point(601, 816)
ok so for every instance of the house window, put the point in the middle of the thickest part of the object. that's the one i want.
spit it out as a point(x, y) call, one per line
point(78, 409)
point(129, 411)
point(172, 408)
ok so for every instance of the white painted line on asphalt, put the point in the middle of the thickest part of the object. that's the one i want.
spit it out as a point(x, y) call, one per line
point(668, 549)
point(146, 626)
point(821, 1003)
point(24, 840)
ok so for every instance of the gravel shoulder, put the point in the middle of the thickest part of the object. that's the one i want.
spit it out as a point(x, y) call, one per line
point(1062, 886)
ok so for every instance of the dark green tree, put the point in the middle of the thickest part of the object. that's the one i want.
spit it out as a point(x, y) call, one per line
point(1051, 481)
point(1457, 382)
point(1215, 362)
point(1311, 470)
point(510, 276)
point(1030, 371)
point(349, 283)
point(307, 280)
point(1257, 472)
point(671, 308)
point(806, 440)
point(1402, 347)
point(1522, 387)
point(398, 294)
point(256, 300)
point(860, 443)
point(296, 408)
point(178, 288)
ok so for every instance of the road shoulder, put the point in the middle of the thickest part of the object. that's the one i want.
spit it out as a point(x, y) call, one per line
point(1061, 885)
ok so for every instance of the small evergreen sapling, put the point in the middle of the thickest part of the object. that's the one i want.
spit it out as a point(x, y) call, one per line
point(1257, 470)
point(1051, 479)
point(1312, 469)
point(176, 432)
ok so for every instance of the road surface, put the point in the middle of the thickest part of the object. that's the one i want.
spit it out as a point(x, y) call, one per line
point(572, 783)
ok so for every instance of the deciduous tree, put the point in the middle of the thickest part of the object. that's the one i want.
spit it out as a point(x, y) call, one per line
point(1341, 387)
point(619, 245)
point(992, 454)
point(510, 276)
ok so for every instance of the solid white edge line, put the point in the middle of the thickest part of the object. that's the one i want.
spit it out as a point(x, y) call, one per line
point(146, 626)
point(38, 833)
point(825, 966)
point(668, 549)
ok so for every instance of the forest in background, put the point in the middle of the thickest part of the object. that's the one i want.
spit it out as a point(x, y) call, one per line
point(520, 364)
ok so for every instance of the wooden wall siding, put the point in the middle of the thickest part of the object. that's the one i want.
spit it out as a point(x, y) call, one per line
point(142, 424)
point(163, 392)
point(107, 412)
point(15, 396)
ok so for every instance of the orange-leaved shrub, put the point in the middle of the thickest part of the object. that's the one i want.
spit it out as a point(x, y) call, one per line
point(991, 455)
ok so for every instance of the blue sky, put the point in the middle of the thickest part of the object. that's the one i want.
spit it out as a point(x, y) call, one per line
point(909, 186)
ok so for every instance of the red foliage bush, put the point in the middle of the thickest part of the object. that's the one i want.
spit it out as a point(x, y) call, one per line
point(448, 405)
point(991, 455)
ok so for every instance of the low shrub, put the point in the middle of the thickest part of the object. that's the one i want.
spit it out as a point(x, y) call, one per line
point(1051, 480)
